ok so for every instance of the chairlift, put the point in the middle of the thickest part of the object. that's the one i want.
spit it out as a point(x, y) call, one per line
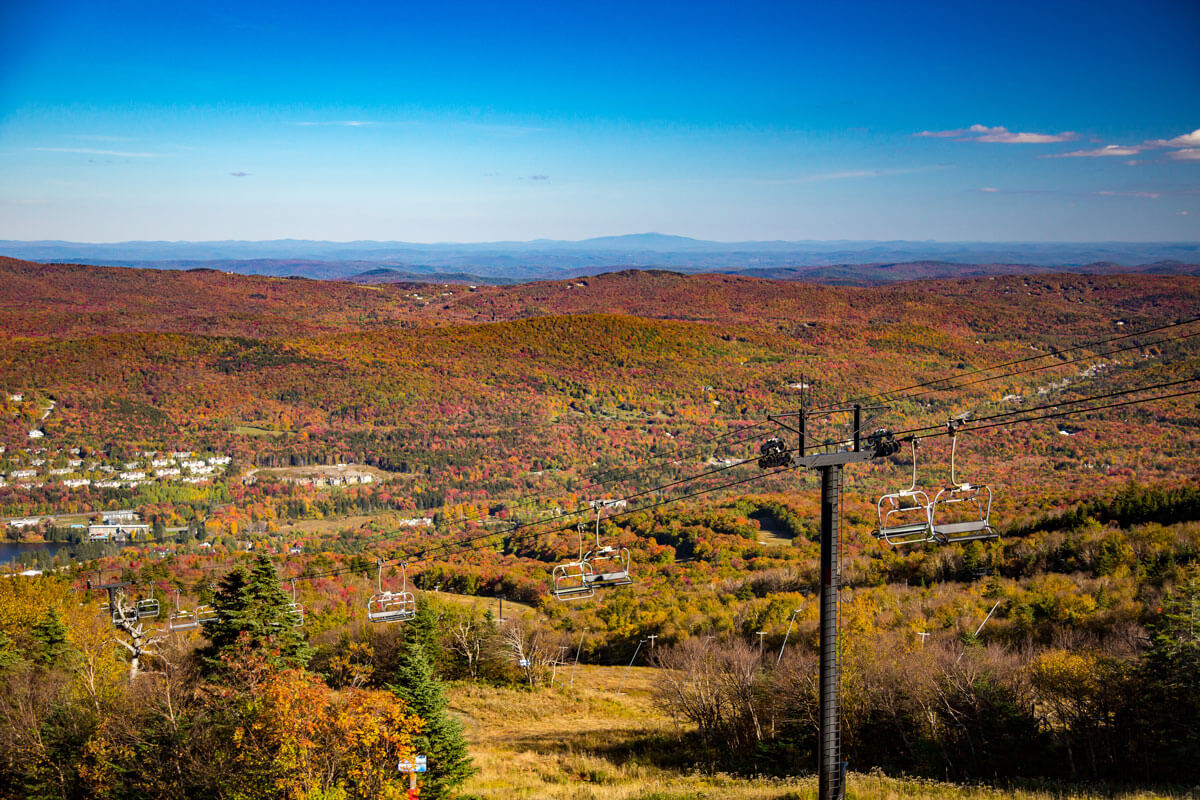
point(906, 516)
point(295, 610)
point(147, 609)
point(398, 606)
point(601, 567)
point(181, 620)
point(573, 579)
point(962, 511)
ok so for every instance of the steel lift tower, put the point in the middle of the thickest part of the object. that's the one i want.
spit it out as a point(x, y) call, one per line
point(776, 454)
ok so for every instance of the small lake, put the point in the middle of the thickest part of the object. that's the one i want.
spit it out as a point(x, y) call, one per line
point(11, 551)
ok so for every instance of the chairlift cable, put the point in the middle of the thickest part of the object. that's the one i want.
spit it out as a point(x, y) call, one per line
point(897, 393)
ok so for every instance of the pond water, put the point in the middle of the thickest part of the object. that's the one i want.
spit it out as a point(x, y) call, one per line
point(11, 551)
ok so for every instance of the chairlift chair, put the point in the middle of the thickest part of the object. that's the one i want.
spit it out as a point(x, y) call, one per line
point(962, 511)
point(573, 580)
point(181, 620)
point(609, 565)
point(295, 610)
point(906, 516)
point(147, 609)
point(604, 566)
point(389, 606)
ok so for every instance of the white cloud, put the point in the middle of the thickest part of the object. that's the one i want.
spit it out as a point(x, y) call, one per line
point(98, 138)
point(1102, 152)
point(1186, 140)
point(999, 135)
point(943, 134)
point(90, 152)
point(989, 189)
point(852, 174)
point(1149, 195)
point(1190, 154)
point(342, 123)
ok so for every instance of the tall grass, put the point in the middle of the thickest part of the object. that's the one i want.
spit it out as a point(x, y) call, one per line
point(591, 743)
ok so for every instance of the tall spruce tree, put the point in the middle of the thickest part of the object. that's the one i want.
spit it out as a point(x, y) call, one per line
point(441, 738)
point(1169, 705)
point(252, 603)
point(49, 634)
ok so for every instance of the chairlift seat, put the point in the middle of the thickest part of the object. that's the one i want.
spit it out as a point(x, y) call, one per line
point(391, 607)
point(968, 531)
point(610, 567)
point(573, 592)
point(572, 580)
point(147, 608)
point(910, 533)
point(895, 512)
point(182, 621)
point(296, 612)
point(609, 579)
point(969, 508)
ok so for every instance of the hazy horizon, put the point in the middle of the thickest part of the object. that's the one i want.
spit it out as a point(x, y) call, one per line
point(468, 122)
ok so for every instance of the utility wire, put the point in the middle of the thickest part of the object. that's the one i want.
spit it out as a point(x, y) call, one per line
point(1086, 346)
point(472, 543)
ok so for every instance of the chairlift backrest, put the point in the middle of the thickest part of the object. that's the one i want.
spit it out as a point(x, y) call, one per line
point(148, 608)
point(961, 512)
point(386, 606)
point(905, 516)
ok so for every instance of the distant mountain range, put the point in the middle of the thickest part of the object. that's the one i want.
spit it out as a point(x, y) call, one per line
point(856, 262)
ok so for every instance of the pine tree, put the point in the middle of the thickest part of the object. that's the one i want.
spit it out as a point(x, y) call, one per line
point(253, 604)
point(441, 738)
point(425, 630)
point(49, 635)
point(1170, 679)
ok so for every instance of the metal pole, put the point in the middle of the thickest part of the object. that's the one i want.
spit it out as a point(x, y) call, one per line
point(760, 635)
point(786, 635)
point(626, 675)
point(578, 650)
point(831, 778)
point(857, 427)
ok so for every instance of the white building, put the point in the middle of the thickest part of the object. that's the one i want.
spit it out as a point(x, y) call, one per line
point(117, 532)
point(75, 483)
point(24, 522)
point(132, 476)
point(120, 515)
point(165, 473)
point(36, 434)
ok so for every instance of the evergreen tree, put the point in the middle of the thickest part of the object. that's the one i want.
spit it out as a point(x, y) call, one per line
point(425, 630)
point(253, 603)
point(441, 738)
point(1170, 676)
point(50, 645)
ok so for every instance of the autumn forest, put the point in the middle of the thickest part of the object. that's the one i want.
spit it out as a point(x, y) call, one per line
point(284, 451)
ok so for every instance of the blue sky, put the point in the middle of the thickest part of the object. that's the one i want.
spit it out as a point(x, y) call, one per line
point(447, 121)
